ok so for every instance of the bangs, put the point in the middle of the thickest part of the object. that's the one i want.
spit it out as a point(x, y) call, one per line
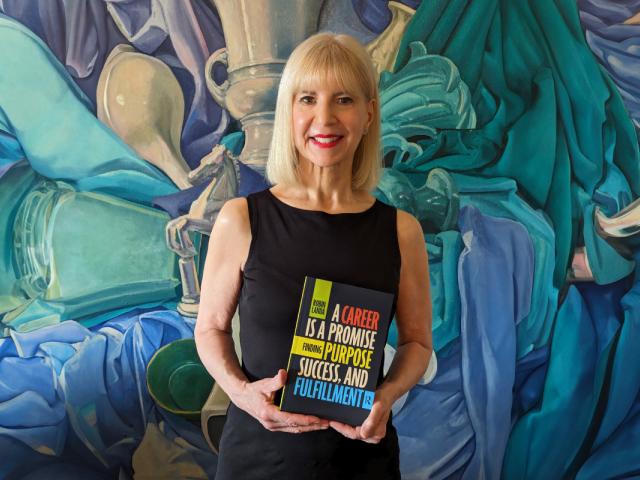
point(328, 64)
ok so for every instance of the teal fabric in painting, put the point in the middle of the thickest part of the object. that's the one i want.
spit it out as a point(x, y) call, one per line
point(548, 116)
point(590, 406)
point(624, 389)
point(46, 117)
point(615, 451)
point(615, 459)
point(444, 249)
point(579, 352)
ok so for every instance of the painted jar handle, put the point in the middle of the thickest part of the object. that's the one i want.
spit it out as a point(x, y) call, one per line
point(219, 92)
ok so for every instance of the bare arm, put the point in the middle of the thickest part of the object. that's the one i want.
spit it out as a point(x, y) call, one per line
point(413, 312)
point(413, 316)
point(221, 282)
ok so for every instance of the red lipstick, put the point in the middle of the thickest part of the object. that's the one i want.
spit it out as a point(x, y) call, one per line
point(325, 144)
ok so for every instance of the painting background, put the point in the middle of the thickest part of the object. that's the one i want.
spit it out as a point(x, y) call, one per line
point(538, 378)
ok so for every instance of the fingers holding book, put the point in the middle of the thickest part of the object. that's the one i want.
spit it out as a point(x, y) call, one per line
point(257, 400)
point(372, 430)
point(374, 427)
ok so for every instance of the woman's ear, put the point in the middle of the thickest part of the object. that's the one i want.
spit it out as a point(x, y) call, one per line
point(371, 105)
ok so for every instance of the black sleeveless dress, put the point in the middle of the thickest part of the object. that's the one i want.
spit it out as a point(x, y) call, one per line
point(287, 244)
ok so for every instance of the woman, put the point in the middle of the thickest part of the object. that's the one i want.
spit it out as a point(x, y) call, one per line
point(318, 220)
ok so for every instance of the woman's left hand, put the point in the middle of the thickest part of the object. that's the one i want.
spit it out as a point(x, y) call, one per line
point(374, 428)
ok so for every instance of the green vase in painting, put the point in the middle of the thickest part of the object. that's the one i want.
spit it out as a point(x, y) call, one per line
point(76, 255)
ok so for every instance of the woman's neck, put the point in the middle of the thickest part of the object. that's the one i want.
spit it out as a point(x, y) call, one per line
point(324, 188)
point(320, 184)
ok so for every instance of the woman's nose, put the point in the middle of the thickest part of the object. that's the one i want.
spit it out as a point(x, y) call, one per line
point(325, 113)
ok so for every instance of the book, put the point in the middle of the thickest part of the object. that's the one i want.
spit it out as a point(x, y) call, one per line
point(336, 351)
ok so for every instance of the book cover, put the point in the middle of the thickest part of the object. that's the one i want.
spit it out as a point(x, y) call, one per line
point(336, 351)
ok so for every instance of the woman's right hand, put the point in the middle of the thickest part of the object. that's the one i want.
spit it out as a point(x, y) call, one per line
point(256, 398)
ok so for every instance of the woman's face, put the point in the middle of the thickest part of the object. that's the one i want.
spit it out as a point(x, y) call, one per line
point(328, 124)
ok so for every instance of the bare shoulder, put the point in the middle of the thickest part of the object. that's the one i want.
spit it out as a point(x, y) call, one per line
point(409, 230)
point(233, 220)
point(234, 213)
point(231, 232)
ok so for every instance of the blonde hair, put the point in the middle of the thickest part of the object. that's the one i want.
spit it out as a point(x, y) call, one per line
point(320, 58)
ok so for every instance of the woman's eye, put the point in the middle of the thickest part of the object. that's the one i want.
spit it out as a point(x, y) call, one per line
point(345, 100)
point(306, 99)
